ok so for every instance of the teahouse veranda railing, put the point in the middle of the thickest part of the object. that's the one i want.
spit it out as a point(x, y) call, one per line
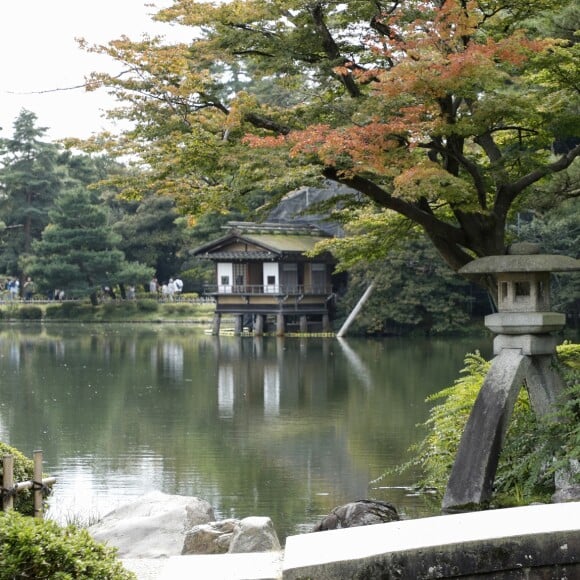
point(257, 289)
point(38, 484)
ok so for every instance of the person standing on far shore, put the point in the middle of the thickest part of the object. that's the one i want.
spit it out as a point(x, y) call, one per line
point(29, 288)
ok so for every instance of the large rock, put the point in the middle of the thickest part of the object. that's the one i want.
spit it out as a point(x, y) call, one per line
point(212, 538)
point(152, 527)
point(363, 512)
point(254, 534)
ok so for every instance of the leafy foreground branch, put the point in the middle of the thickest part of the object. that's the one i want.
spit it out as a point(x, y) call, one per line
point(535, 448)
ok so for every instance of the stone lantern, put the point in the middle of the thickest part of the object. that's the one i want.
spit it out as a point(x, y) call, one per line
point(523, 349)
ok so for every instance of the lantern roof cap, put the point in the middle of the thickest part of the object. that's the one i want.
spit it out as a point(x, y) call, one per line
point(521, 257)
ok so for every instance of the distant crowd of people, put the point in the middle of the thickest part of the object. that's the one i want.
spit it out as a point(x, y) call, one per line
point(166, 290)
point(11, 288)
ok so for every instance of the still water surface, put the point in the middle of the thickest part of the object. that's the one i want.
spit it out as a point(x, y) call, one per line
point(287, 428)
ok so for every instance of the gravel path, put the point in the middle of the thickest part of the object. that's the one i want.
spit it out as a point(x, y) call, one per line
point(145, 568)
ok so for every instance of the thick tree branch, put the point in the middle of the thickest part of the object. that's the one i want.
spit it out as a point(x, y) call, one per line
point(420, 216)
point(468, 165)
point(507, 193)
point(332, 50)
point(262, 122)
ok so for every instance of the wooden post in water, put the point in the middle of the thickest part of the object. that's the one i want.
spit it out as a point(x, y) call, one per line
point(238, 324)
point(8, 482)
point(280, 327)
point(217, 319)
point(38, 484)
point(355, 311)
point(259, 325)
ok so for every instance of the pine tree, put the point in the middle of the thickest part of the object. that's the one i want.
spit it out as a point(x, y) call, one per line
point(30, 179)
point(78, 252)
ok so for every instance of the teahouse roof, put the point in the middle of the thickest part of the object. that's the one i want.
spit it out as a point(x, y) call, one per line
point(274, 239)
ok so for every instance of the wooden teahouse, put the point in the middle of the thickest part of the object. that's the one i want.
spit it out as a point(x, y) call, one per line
point(262, 275)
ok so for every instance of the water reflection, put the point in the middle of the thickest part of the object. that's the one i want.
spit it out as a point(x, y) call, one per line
point(282, 427)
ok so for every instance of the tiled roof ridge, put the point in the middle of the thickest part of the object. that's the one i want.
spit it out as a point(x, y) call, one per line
point(296, 228)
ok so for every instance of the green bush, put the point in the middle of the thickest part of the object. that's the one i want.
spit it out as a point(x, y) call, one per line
point(189, 296)
point(52, 312)
point(35, 548)
point(128, 308)
point(534, 447)
point(23, 471)
point(30, 313)
point(148, 305)
point(68, 310)
point(109, 309)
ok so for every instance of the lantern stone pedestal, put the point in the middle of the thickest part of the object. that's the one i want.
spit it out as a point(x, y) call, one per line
point(523, 349)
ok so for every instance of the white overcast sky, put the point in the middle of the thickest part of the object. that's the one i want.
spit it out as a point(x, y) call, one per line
point(38, 52)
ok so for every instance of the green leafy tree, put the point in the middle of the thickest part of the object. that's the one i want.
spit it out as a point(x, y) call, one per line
point(78, 252)
point(443, 113)
point(558, 231)
point(153, 234)
point(414, 291)
point(30, 179)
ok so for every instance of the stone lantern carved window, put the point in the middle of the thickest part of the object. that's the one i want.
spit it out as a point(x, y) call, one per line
point(541, 289)
point(504, 292)
point(522, 291)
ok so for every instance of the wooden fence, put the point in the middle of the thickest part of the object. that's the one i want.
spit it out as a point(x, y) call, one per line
point(39, 485)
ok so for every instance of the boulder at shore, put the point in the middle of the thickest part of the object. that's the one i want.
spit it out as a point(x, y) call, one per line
point(153, 526)
point(252, 534)
point(363, 512)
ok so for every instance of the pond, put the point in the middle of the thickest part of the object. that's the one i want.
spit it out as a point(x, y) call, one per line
point(283, 427)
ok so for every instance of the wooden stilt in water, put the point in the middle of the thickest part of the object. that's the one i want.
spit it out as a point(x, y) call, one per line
point(355, 311)
point(280, 325)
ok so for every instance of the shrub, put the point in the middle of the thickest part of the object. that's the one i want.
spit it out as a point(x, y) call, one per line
point(34, 548)
point(189, 296)
point(30, 313)
point(68, 310)
point(52, 312)
point(23, 471)
point(534, 447)
point(109, 309)
point(148, 305)
point(128, 308)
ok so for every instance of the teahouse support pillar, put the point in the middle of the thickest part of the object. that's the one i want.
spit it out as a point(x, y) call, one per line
point(259, 325)
point(303, 324)
point(238, 324)
point(217, 319)
point(280, 328)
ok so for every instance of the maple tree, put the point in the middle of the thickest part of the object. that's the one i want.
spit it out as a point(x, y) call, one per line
point(443, 113)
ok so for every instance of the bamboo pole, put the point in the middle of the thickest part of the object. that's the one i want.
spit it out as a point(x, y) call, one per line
point(9, 485)
point(37, 478)
point(8, 482)
point(30, 484)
